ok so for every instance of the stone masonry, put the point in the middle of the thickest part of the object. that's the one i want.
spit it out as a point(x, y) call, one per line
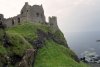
point(29, 13)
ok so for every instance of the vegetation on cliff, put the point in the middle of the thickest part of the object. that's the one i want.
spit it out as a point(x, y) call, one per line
point(49, 47)
point(56, 55)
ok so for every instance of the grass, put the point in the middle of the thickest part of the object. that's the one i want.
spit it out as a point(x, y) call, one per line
point(19, 44)
point(28, 30)
point(18, 34)
point(2, 50)
point(51, 55)
point(55, 55)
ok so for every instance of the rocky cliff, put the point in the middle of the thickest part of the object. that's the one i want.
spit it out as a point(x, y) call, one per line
point(35, 45)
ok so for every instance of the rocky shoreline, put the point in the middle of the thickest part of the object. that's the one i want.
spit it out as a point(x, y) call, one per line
point(94, 65)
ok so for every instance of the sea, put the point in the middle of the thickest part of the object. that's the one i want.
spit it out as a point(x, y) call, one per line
point(81, 42)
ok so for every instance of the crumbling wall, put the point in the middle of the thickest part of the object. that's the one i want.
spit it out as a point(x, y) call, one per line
point(13, 21)
point(28, 13)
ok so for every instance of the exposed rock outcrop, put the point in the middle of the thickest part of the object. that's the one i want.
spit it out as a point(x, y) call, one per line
point(13, 59)
point(6, 41)
point(28, 58)
point(75, 57)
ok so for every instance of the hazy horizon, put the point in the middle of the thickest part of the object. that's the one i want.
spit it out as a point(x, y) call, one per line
point(81, 42)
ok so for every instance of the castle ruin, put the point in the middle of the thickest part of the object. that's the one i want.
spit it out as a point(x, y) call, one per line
point(29, 13)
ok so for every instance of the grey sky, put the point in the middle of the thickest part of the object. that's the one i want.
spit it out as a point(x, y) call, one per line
point(73, 15)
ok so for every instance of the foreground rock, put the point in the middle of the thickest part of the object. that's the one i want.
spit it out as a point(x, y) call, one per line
point(27, 60)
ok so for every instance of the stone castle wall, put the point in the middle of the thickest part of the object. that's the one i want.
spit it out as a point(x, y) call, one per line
point(29, 13)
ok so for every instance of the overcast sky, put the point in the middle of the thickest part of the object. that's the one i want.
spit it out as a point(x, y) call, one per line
point(73, 15)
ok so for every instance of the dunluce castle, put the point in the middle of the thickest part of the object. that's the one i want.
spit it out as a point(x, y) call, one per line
point(29, 13)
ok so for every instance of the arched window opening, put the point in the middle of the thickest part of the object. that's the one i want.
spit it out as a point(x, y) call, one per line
point(27, 10)
point(37, 14)
point(19, 20)
point(12, 22)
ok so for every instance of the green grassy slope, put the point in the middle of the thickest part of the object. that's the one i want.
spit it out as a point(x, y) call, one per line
point(51, 54)
point(18, 47)
point(55, 55)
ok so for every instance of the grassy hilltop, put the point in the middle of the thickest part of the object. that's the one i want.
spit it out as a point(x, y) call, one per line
point(52, 50)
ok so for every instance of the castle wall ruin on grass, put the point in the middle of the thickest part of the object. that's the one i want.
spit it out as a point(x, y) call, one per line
point(29, 13)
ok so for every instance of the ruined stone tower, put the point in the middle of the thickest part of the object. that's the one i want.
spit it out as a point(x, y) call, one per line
point(28, 13)
point(53, 22)
point(33, 13)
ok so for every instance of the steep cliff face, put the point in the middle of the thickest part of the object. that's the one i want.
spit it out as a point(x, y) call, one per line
point(37, 45)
